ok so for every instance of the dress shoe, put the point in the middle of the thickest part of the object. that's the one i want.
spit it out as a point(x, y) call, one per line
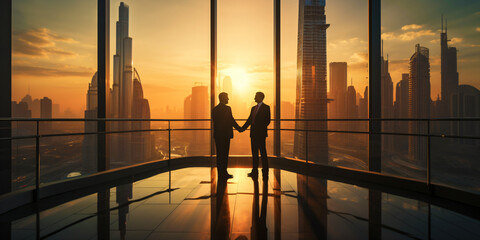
point(253, 173)
point(225, 175)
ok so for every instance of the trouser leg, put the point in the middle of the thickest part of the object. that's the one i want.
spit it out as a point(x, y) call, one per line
point(254, 154)
point(263, 153)
point(222, 146)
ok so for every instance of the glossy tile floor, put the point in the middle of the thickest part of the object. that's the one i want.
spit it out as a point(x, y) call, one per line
point(180, 205)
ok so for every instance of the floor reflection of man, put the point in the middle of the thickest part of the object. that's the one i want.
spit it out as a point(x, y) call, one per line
point(221, 229)
point(259, 216)
point(124, 194)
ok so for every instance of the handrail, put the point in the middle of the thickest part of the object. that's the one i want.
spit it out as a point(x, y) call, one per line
point(38, 136)
point(17, 119)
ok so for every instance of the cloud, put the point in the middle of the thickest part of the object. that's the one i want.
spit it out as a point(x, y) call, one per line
point(39, 42)
point(456, 40)
point(411, 27)
point(60, 71)
point(407, 36)
point(435, 41)
point(359, 57)
point(478, 29)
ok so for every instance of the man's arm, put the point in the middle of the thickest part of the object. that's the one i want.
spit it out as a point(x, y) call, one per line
point(248, 122)
point(233, 122)
point(268, 116)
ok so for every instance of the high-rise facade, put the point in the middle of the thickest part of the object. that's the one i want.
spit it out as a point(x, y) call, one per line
point(387, 106)
point(196, 106)
point(127, 101)
point(311, 90)
point(448, 71)
point(46, 112)
point(338, 89)
point(419, 101)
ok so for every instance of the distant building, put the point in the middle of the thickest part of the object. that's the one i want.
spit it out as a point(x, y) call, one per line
point(418, 101)
point(89, 146)
point(387, 106)
point(448, 71)
point(401, 111)
point(338, 90)
point(196, 106)
point(352, 112)
point(465, 103)
point(46, 112)
point(311, 97)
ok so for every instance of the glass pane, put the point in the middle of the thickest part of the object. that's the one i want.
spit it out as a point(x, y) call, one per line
point(431, 58)
point(245, 61)
point(160, 68)
point(54, 60)
point(324, 75)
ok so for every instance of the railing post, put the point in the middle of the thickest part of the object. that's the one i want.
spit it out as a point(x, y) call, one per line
point(277, 105)
point(374, 86)
point(169, 143)
point(306, 145)
point(37, 162)
point(6, 96)
point(428, 156)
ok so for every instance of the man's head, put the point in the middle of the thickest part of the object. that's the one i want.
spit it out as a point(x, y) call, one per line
point(259, 96)
point(223, 97)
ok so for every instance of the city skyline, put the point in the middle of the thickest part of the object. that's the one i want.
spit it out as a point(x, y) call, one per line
point(158, 69)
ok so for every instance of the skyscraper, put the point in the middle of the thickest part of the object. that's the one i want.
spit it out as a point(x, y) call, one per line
point(418, 101)
point(127, 101)
point(386, 104)
point(448, 70)
point(311, 90)
point(196, 107)
point(338, 89)
point(89, 146)
point(46, 112)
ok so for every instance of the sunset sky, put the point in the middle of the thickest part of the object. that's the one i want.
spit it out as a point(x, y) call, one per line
point(54, 45)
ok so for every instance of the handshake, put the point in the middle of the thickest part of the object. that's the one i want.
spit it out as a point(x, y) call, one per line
point(241, 129)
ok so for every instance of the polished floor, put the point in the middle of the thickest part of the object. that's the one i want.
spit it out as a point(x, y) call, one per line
point(191, 203)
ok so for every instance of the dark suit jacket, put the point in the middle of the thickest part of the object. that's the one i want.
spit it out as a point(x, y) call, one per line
point(262, 120)
point(223, 122)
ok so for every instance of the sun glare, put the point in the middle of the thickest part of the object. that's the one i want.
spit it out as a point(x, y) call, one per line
point(240, 79)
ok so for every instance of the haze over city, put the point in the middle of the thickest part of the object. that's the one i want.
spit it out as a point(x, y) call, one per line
point(58, 58)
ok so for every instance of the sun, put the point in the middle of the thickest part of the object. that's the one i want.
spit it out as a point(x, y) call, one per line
point(240, 79)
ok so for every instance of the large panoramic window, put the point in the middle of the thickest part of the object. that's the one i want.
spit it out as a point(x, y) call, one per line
point(159, 69)
point(430, 70)
point(324, 63)
point(245, 61)
point(54, 60)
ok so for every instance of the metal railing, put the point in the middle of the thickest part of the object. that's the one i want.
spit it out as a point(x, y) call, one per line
point(169, 129)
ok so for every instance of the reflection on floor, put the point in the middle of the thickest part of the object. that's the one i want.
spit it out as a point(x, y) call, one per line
point(192, 204)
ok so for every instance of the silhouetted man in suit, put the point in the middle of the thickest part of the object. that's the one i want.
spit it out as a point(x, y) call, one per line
point(259, 119)
point(222, 132)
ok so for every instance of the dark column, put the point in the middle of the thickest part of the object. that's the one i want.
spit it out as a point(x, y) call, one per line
point(5, 96)
point(276, 134)
point(102, 56)
point(277, 203)
point(374, 214)
point(213, 65)
point(103, 218)
point(374, 77)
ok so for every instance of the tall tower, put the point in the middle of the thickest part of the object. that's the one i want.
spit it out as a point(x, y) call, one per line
point(311, 92)
point(338, 89)
point(128, 101)
point(449, 73)
point(122, 67)
point(418, 100)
